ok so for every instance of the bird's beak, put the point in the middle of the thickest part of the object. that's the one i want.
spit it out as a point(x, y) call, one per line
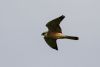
point(42, 34)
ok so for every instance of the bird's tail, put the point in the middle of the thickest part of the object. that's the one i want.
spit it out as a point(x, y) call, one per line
point(71, 37)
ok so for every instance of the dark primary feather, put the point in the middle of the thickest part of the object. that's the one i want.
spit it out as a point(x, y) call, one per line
point(53, 25)
point(51, 42)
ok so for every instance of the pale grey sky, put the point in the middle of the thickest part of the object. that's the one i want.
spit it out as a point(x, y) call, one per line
point(23, 21)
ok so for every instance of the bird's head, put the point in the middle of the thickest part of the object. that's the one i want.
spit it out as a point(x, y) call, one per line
point(44, 34)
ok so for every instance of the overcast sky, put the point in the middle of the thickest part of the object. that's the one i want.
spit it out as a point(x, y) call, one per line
point(23, 21)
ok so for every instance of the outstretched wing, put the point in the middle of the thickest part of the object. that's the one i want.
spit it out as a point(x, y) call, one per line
point(53, 25)
point(51, 42)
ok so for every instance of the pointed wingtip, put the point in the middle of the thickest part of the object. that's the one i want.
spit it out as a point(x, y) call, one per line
point(62, 17)
point(56, 49)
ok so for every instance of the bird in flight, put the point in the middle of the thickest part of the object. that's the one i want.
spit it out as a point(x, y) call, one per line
point(54, 32)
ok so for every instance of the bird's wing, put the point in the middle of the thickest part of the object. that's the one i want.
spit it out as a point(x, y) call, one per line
point(53, 25)
point(51, 42)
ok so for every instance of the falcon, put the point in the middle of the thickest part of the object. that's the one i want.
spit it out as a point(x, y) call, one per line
point(54, 32)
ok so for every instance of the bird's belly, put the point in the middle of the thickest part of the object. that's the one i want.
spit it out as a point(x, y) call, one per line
point(56, 35)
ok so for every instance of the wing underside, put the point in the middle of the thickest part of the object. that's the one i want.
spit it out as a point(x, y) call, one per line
point(51, 42)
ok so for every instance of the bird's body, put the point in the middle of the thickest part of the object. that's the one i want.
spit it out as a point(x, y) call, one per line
point(54, 35)
point(54, 32)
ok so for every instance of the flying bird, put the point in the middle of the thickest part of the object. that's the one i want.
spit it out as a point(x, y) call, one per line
point(54, 32)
